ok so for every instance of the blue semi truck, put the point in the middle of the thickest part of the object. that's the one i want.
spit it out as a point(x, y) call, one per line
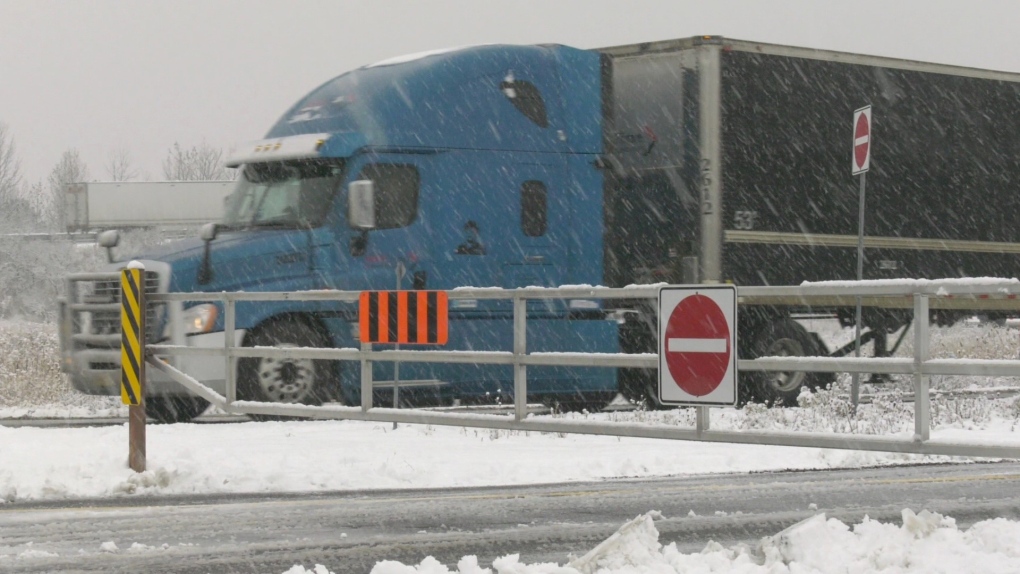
point(701, 159)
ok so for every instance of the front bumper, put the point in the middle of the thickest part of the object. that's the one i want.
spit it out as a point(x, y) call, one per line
point(97, 372)
point(90, 335)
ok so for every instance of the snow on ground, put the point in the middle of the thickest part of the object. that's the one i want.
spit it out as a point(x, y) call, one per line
point(925, 542)
point(302, 456)
point(54, 463)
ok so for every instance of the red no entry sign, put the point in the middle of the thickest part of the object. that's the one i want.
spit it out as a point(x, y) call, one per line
point(697, 345)
point(862, 140)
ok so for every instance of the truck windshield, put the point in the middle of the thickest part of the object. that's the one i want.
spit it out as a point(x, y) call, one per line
point(284, 194)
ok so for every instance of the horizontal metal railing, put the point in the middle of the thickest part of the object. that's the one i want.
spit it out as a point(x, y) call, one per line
point(919, 295)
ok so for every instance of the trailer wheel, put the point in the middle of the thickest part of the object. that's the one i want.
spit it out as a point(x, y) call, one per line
point(781, 338)
point(169, 409)
point(291, 381)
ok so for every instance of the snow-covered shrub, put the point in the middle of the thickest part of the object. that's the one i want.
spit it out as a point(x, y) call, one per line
point(29, 365)
point(31, 381)
point(682, 417)
point(32, 275)
point(32, 271)
point(962, 412)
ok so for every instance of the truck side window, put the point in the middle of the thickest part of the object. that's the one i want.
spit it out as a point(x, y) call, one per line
point(527, 99)
point(396, 193)
point(533, 208)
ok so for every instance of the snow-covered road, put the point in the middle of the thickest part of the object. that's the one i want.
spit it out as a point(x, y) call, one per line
point(353, 531)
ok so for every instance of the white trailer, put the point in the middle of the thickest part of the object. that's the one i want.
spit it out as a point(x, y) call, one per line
point(121, 205)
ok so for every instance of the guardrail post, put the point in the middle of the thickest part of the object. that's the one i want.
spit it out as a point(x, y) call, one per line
point(132, 359)
point(396, 384)
point(401, 270)
point(520, 349)
point(702, 419)
point(922, 404)
point(228, 344)
point(366, 377)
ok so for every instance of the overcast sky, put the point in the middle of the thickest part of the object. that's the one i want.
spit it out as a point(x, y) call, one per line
point(138, 75)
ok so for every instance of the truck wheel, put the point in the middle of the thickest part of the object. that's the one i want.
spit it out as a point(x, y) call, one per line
point(169, 409)
point(781, 338)
point(591, 402)
point(641, 387)
point(292, 381)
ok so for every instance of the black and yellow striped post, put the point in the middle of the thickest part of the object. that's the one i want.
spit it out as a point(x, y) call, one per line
point(132, 359)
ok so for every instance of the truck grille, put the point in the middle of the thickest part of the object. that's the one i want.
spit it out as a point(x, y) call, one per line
point(96, 317)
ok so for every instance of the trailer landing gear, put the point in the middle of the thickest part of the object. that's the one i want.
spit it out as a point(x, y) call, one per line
point(878, 333)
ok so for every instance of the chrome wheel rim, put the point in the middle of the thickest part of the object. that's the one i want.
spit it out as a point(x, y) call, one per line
point(286, 380)
point(785, 381)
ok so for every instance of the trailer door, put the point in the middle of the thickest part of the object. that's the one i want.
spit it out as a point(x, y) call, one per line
point(651, 208)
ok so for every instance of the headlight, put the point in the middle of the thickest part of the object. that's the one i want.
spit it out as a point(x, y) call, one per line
point(200, 318)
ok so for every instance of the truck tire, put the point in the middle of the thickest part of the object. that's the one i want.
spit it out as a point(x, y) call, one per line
point(639, 334)
point(641, 387)
point(781, 338)
point(169, 409)
point(593, 402)
point(292, 381)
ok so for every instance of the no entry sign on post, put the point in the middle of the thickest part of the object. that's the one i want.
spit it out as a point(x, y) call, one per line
point(862, 140)
point(698, 345)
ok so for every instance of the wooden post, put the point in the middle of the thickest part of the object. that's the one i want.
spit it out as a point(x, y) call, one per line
point(136, 437)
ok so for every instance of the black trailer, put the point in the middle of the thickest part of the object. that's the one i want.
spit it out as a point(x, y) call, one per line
point(730, 161)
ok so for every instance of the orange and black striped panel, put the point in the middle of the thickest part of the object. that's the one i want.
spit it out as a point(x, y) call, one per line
point(412, 317)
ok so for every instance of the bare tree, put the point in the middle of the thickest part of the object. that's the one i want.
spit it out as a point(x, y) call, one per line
point(199, 163)
point(16, 213)
point(118, 166)
point(19, 214)
point(37, 199)
point(70, 169)
point(10, 167)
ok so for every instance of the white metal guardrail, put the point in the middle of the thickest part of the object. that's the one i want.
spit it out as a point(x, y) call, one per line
point(919, 295)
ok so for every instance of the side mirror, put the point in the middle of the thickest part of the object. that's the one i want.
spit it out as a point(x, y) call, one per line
point(208, 232)
point(108, 239)
point(361, 204)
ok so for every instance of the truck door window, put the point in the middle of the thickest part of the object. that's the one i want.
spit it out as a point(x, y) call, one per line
point(526, 97)
point(396, 193)
point(533, 208)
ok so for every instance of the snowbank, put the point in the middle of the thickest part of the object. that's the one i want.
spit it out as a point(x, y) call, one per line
point(926, 542)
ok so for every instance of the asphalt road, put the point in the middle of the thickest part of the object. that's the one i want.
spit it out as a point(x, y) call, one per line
point(350, 531)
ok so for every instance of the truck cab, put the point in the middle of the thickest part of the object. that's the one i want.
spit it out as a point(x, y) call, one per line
point(472, 167)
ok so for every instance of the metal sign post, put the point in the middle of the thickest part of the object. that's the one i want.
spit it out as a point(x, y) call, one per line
point(400, 317)
point(861, 164)
point(132, 359)
point(400, 270)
